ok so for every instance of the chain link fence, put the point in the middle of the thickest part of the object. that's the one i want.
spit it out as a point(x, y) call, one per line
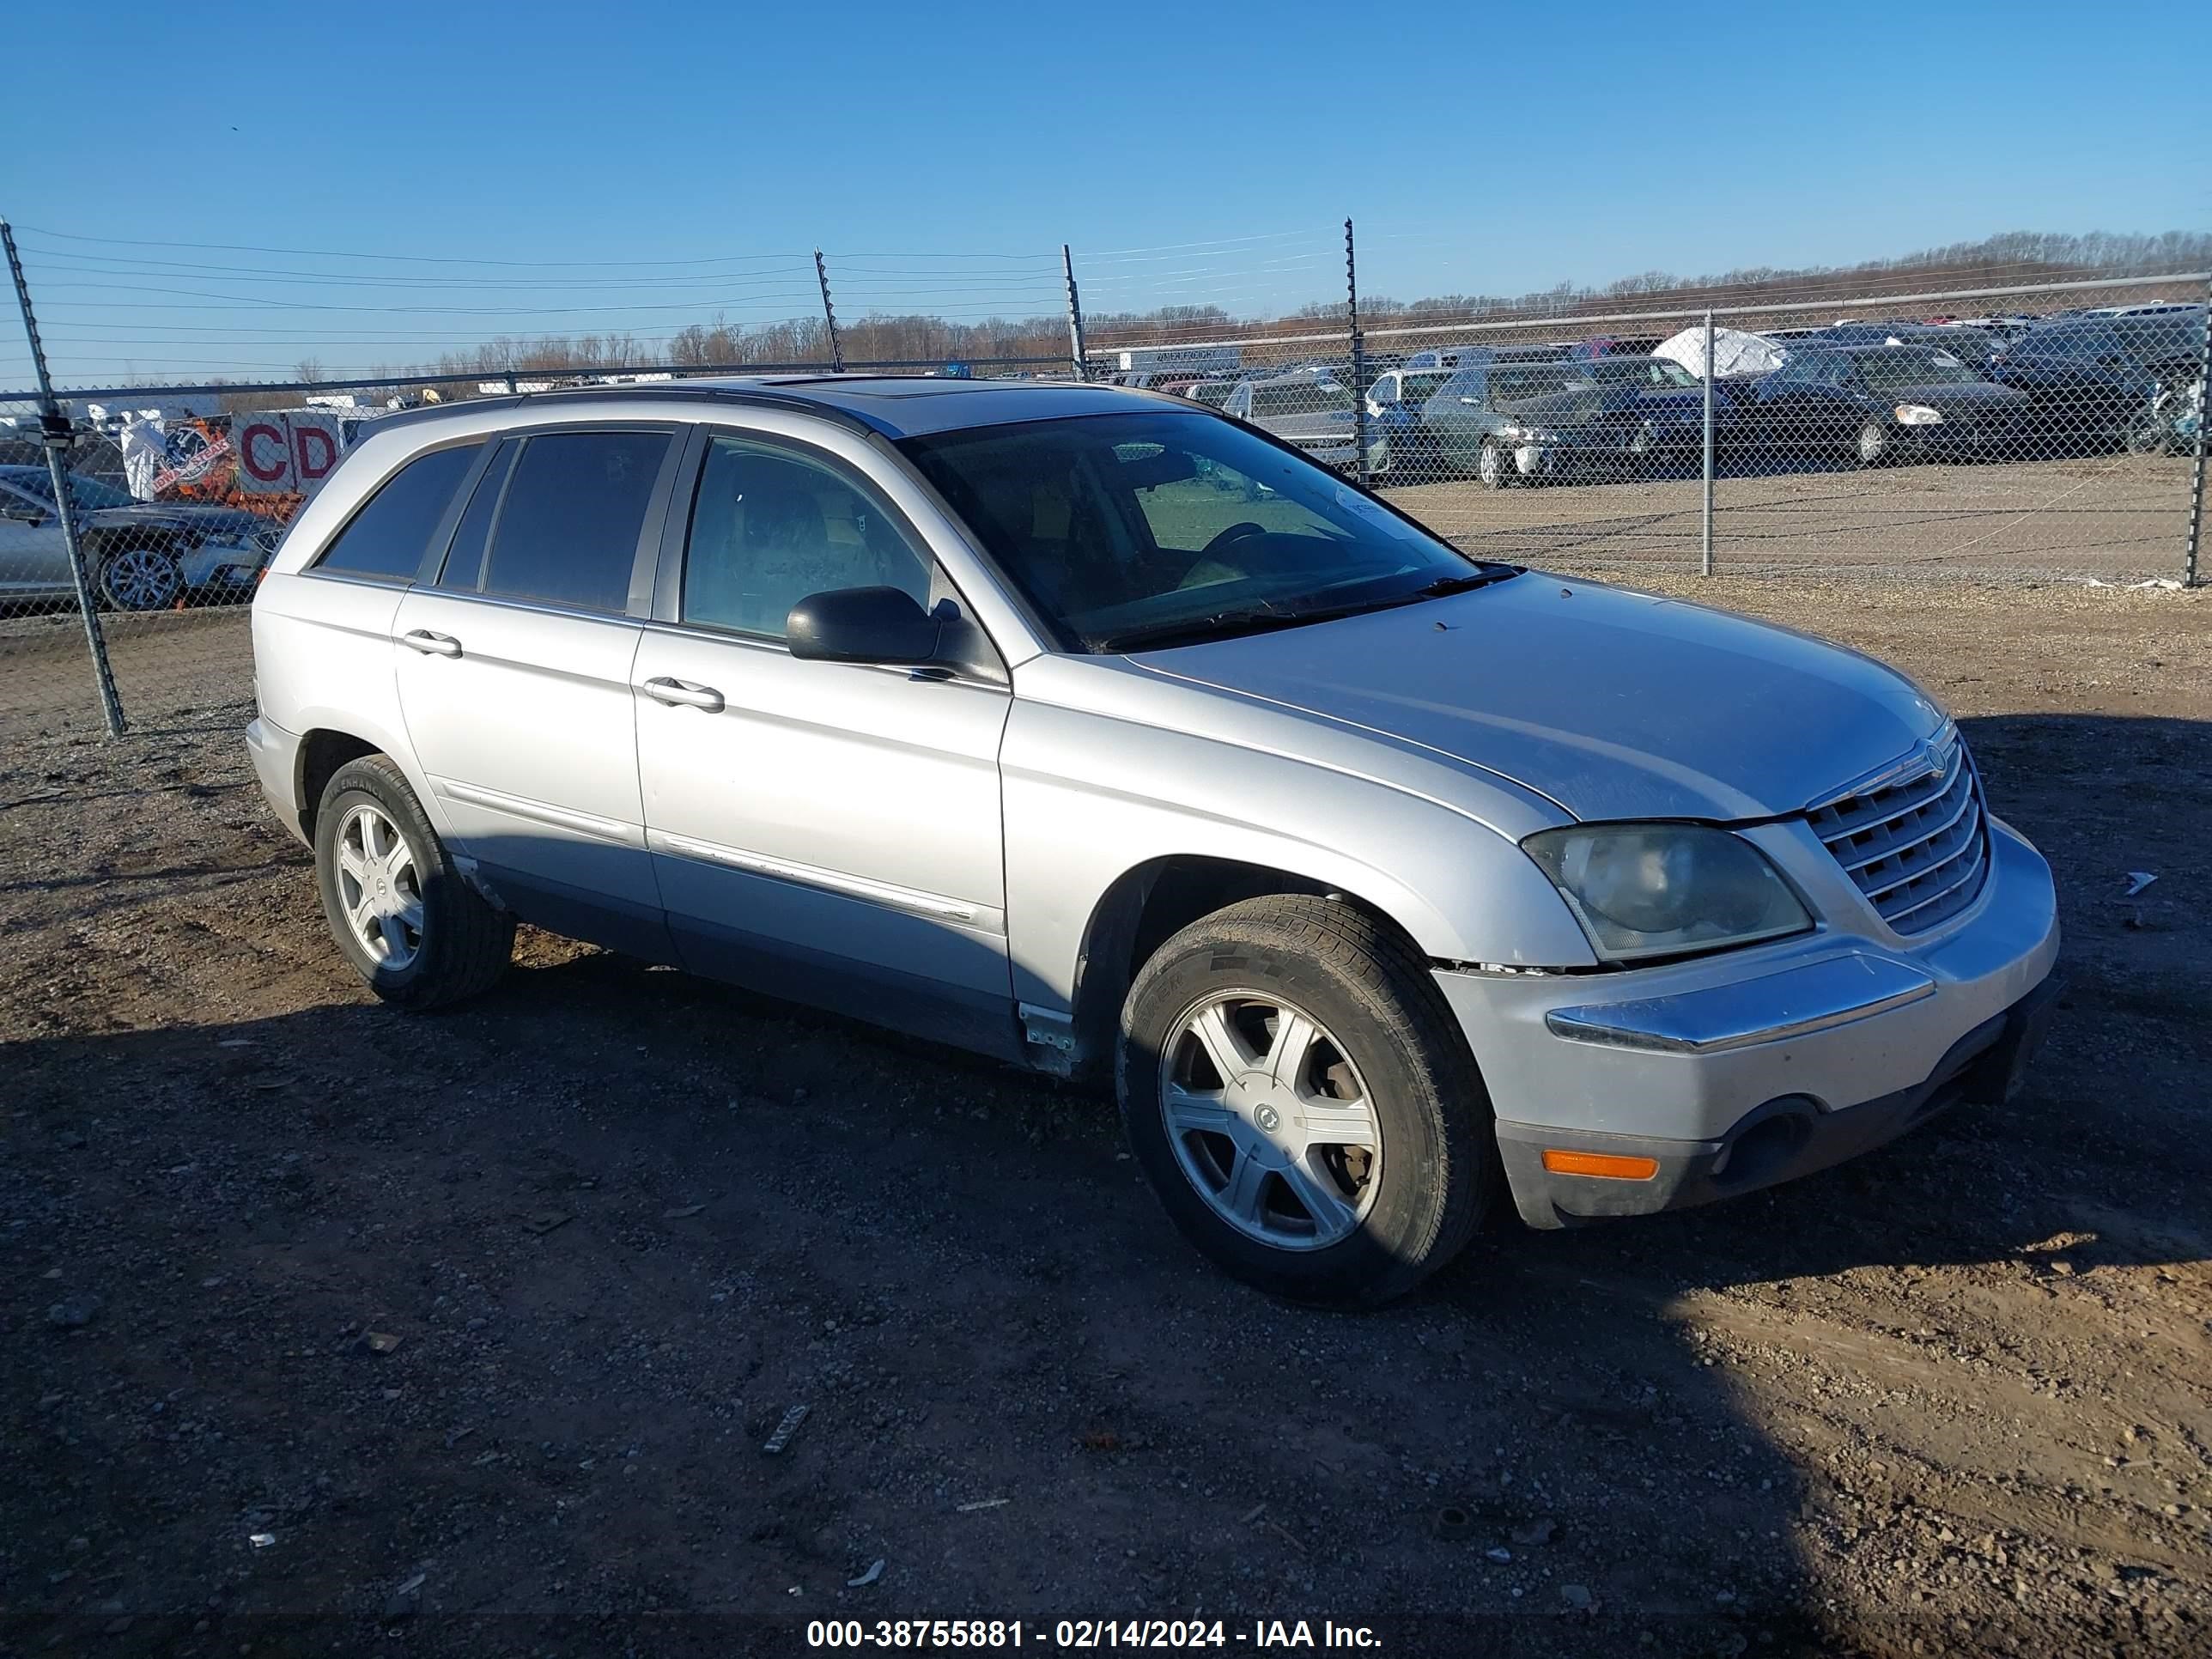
point(2039, 432)
point(2021, 419)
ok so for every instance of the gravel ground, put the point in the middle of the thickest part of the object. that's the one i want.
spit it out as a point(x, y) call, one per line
point(329, 1329)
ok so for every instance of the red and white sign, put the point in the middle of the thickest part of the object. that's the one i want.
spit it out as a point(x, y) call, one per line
point(289, 453)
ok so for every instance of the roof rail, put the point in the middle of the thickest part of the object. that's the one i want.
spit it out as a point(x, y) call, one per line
point(657, 392)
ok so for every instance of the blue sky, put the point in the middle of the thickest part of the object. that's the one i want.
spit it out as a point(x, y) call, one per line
point(1481, 148)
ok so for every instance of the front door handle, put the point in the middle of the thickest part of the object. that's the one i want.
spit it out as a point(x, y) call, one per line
point(431, 645)
point(682, 692)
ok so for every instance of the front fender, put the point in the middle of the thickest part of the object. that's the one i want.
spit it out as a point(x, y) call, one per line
point(1090, 796)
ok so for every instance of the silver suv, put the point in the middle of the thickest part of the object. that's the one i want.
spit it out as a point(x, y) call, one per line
point(1099, 733)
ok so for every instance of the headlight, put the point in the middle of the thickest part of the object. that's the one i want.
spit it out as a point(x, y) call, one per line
point(1530, 434)
point(1660, 889)
point(1918, 414)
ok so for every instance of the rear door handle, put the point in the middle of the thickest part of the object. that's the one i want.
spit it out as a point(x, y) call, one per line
point(682, 692)
point(431, 645)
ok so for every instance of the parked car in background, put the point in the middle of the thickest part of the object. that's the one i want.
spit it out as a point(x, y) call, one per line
point(1384, 887)
point(1886, 402)
point(1308, 407)
point(1977, 348)
point(2109, 379)
point(1613, 418)
point(1398, 439)
point(139, 556)
point(1461, 356)
point(1212, 394)
point(1467, 416)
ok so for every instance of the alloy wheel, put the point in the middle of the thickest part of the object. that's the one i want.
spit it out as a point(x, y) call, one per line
point(1270, 1121)
point(379, 887)
point(141, 579)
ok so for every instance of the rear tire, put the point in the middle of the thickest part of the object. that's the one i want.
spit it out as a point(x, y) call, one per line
point(415, 932)
point(1344, 1162)
point(1873, 445)
point(140, 579)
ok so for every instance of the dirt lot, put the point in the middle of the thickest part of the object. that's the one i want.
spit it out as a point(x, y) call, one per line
point(329, 1329)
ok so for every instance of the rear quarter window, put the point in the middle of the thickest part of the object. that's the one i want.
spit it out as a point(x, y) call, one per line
point(389, 535)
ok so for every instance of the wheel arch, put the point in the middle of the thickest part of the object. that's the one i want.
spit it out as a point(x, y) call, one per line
point(322, 752)
point(1151, 902)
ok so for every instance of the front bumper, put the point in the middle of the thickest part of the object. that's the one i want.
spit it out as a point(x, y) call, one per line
point(1734, 1072)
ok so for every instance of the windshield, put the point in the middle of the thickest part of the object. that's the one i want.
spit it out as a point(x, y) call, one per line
point(1637, 372)
point(87, 494)
point(1911, 366)
point(1299, 397)
point(1125, 530)
point(1212, 393)
point(1419, 388)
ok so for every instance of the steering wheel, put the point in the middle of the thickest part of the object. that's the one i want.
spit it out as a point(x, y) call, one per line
point(1236, 532)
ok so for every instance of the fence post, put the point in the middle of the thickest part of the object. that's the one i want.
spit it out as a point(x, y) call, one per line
point(2191, 566)
point(1705, 535)
point(1074, 314)
point(1358, 357)
point(54, 431)
point(829, 314)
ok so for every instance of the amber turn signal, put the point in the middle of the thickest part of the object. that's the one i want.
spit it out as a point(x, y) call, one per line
point(1559, 1161)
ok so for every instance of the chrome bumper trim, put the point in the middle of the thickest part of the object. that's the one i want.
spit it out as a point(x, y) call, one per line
point(1817, 996)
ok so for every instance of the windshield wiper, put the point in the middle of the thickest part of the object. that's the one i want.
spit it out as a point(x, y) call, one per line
point(1467, 584)
point(1227, 624)
point(1223, 624)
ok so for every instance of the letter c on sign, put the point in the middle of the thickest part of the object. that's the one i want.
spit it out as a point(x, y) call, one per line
point(323, 455)
point(249, 455)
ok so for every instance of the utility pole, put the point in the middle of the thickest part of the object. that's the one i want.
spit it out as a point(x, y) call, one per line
point(828, 314)
point(1074, 313)
point(54, 432)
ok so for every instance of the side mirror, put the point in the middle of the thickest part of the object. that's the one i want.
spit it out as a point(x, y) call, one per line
point(24, 511)
point(862, 625)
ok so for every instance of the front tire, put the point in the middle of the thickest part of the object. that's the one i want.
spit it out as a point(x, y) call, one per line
point(418, 935)
point(1494, 465)
point(1301, 1101)
point(1874, 445)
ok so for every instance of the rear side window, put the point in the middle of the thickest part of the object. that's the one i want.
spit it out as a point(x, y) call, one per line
point(568, 529)
point(388, 536)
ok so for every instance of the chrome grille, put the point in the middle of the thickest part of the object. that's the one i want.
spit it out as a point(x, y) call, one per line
point(1913, 836)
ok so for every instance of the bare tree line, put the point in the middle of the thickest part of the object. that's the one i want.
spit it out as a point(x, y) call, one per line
point(2013, 257)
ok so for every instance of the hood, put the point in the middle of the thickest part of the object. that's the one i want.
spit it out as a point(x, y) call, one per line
point(1614, 705)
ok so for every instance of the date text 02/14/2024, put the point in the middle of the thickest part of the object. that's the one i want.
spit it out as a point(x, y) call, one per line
point(1086, 1633)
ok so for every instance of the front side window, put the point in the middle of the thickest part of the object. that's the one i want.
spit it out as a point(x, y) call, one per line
point(771, 524)
point(1129, 531)
point(391, 534)
point(568, 528)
